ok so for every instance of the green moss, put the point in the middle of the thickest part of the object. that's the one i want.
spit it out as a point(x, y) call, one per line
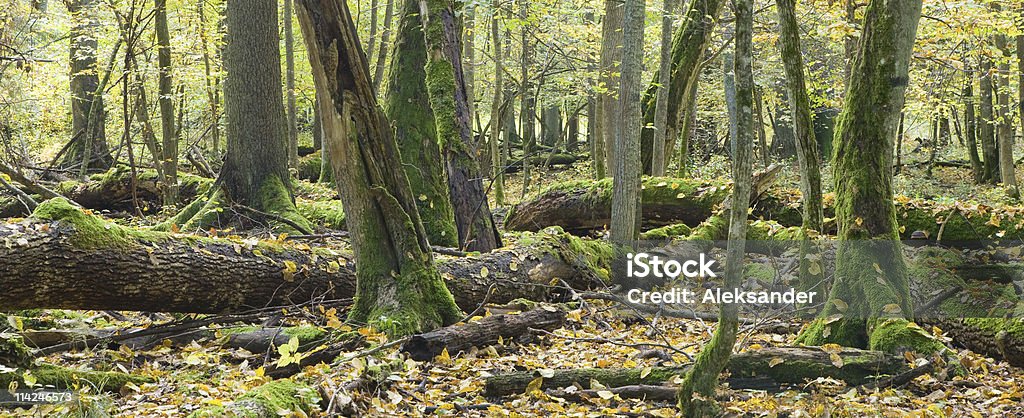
point(666, 232)
point(895, 335)
point(14, 352)
point(275, 198)
point(266, 401)
point(92, 231)
point(309, 167)
point(328, 214)
point(61, 377)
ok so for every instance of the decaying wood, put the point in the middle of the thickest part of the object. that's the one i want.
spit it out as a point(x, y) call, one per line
point(481, 333)
point(48, 264)
point(756, 368)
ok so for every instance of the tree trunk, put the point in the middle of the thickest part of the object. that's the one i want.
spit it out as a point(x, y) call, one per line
point(88, 134)
point(870, 269)
point(289, 82)
point(989, 147)
point(408, 109)
point(626, 195)
point(611, 54)
point(400, 289)
point(212, 89)
point(971, 129)
point(1007, 173)
point(697, 393)
point(446, 90)
point(468, 42)
point(255, 172)
point(688, 45)
point(551, 126)
point(686, 132)
point(385, 45)
point(497, 160)
point(661, 145)
point(169, 134)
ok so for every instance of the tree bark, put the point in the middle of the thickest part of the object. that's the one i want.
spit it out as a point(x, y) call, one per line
point(611, 54)
point(88, 117)
point(400, 289)
point(446, 90)
point(1007, 170)
point(169, 134)
point(626, 195)
point(408, 108)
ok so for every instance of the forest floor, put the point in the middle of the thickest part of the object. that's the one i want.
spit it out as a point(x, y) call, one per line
point(203, 373)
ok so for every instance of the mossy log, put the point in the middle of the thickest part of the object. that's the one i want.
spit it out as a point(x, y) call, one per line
point(751, 369)
point(481, 333)
point(581, 206)
point(65, 258)
point(112, 190)
point(270, 400)
point(585, 205)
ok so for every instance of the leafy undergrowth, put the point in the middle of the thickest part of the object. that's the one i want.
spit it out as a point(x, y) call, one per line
point(203, 374)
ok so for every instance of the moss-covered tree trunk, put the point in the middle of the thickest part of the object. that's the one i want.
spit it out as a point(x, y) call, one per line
point(399, 288)
point(808, 156)
point(446, 89)
point(688, 46)
point(408, 108)
point(255, 172)
point(88, 134)
point(697, 393)
point(870, 303)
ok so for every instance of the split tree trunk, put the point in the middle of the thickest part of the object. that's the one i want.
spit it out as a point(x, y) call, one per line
point(400, 289)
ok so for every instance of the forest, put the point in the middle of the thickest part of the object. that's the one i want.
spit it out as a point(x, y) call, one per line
point(511, 208)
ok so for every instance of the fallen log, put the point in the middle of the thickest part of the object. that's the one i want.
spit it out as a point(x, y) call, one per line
point(581, 206)
point(481, 333)
point(67, 259)
point(543, 159)
point(756, 368)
